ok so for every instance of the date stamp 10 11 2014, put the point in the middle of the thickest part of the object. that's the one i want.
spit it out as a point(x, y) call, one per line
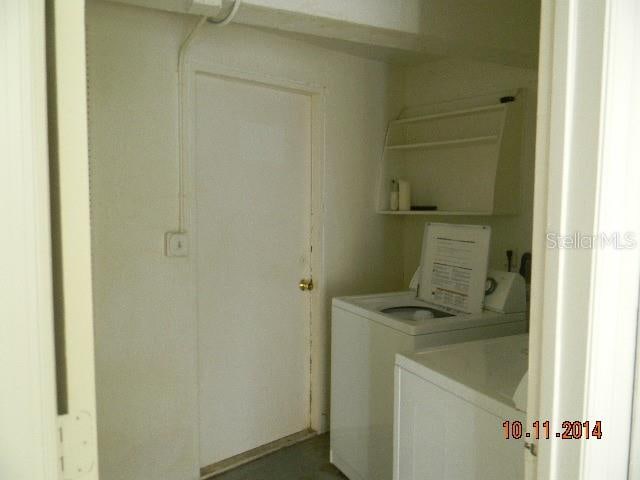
point(570, 430)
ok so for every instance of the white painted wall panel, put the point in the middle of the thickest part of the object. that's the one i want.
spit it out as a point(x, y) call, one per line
point(491, 30)
point(404, 15)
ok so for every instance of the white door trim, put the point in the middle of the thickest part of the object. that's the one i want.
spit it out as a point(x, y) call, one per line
point(29, 438)
point(614, 305)
point(75, 219)
point(73, 207)
point(584, 301)
point(634, 457)
point(319, 317)
point(539, 253)
point(28, 441)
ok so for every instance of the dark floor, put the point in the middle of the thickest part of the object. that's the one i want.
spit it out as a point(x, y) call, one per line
point(308, 460)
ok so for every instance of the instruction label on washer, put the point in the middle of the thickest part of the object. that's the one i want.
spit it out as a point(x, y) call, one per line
point(454, 266)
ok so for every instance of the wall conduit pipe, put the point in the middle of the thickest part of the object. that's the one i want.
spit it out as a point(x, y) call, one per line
point(182, 54)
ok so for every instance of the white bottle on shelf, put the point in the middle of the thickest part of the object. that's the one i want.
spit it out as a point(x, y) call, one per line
point(404, 195)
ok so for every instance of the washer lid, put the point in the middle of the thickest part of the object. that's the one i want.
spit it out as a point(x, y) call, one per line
point(454, 266)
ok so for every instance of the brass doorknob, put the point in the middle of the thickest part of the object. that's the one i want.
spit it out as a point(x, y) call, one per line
point(306, 284)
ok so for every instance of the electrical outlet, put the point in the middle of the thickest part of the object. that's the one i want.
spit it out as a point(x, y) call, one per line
point(514, 261)
point(176, 244)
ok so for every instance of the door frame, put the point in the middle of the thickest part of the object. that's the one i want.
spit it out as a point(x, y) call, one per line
point(319, 321)
point(28, 412)
point(34, 434)
point(584, 301)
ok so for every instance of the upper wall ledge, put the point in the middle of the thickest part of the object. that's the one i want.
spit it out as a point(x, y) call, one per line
point(497, 31)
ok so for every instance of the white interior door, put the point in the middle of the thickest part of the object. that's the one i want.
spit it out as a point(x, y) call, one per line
point(253, 196)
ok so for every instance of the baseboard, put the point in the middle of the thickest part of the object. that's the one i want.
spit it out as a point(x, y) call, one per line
point(217, 468)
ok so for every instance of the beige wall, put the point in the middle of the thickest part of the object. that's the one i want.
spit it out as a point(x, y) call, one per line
point(450, 79)
point(145, 302)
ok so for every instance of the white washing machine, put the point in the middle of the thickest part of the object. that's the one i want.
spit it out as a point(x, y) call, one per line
point(451, 405)
point(368, 331)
